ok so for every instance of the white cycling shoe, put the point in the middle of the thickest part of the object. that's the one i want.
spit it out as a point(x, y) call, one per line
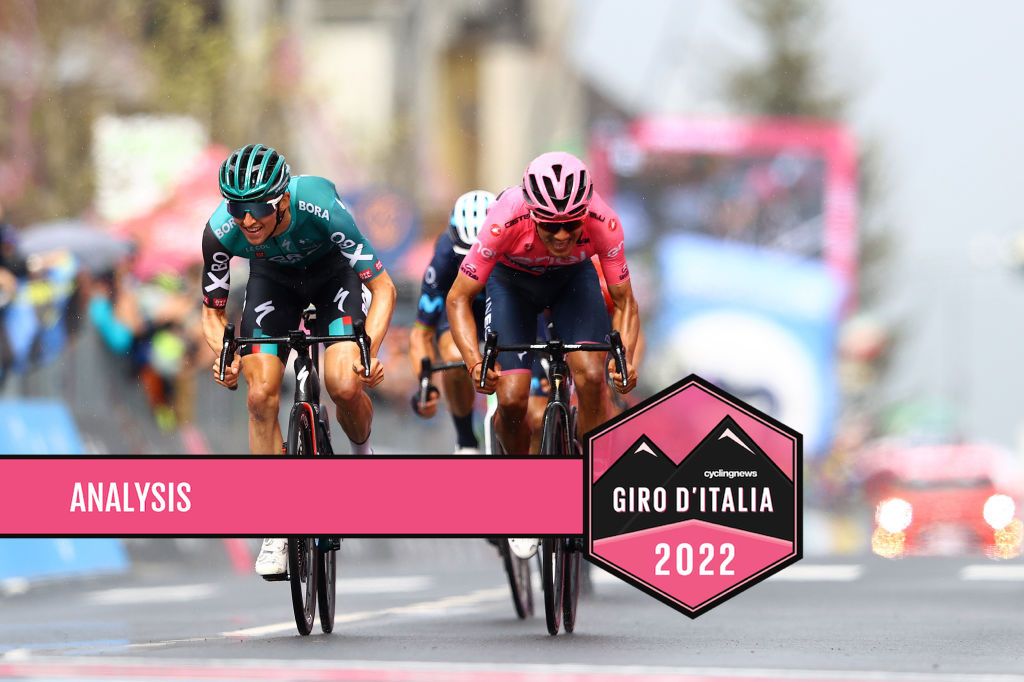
point(524, 548)
point(467, 451)
point(273, 558)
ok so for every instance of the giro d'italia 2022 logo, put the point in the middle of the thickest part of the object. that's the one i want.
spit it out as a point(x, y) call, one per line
point(693, 496)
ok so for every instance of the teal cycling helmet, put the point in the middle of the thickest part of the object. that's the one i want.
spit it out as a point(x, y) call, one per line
point(254, 173)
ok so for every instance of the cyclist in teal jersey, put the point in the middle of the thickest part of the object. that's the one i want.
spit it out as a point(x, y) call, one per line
point(304, 248)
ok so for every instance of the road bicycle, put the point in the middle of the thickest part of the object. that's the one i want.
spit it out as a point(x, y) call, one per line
point(312, 562)
point(560, 557)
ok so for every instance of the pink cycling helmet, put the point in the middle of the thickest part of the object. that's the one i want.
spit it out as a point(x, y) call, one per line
point(557, 187)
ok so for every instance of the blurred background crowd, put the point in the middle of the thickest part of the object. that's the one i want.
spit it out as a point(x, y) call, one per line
point(794, 226)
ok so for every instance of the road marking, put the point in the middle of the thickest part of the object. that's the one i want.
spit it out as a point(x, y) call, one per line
point(797, 573)
point(150, 595)
point(992, 572)
point(298, 670)
point(820, 573)
point(445, 604)
point(396, 584)
point(16, 655)
point(13, 586)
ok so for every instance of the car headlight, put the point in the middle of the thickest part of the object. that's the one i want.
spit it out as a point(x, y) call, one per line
point(894, 514)
point(998, 511)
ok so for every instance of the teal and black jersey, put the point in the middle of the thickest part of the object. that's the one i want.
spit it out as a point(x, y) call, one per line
point(321, 225)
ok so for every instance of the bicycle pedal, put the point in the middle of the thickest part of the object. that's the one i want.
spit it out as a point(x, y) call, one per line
point(275, 578)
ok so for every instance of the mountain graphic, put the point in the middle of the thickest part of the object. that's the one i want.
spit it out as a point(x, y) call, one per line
point(726, 448)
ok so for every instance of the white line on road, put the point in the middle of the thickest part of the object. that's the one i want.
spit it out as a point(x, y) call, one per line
point(992, 572)
point(386, 585)
point(445, 604)
point(422, 671)
point(797, 573)
point(150, 595)
point(820, 573)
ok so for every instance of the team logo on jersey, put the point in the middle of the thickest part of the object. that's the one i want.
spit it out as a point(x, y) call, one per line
point(365, 275)
point(487, 253)
point(378, 266)
point(261, 254)
point(314, 209)
point(496, 230)
point(612, 253)
point(613, 225)
point(469, 270)
point(596, 216)
point(218, 282)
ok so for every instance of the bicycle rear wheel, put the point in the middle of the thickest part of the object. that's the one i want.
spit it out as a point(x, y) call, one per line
point(571, 583)
point(302, 554)
point(518, 572)
point(327, 563)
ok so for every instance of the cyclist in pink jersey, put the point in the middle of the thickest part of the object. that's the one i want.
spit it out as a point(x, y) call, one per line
point(532, 254)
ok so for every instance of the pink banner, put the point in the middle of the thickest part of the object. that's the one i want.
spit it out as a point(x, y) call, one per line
point(279, 496)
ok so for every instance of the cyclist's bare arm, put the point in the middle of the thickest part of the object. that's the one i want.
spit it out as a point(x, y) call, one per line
point(214, 322)
point(421, 345)
point(626, 319)
point(463, 327)
point(378, 317)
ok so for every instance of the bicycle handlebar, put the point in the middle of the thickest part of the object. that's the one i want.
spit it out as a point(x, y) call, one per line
point(296, 340)
point(615, 347)
point(426, 369)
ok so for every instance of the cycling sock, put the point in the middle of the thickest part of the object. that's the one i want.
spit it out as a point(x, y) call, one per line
point(464, 431)
point(361, 448)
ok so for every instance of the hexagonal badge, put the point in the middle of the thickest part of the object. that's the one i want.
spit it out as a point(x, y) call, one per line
point(693, 496)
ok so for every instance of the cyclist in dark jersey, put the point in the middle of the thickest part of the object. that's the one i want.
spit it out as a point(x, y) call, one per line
point(304, 247)
point(451, 247)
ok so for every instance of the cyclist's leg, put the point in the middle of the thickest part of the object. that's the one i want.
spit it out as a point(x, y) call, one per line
point(580, 316)
point(458, 392)
point(339, 303)
point(512, 313)
point(271, 308)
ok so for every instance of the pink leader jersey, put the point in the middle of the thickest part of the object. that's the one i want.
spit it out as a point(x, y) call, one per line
point(509, 236)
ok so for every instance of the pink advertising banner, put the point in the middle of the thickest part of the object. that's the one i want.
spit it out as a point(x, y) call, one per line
point(347, 496)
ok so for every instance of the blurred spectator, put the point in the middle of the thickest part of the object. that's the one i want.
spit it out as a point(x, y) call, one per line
point(12, 266)
point(155, 326)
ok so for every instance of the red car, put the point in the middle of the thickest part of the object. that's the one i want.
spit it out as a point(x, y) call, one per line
point(943, 500)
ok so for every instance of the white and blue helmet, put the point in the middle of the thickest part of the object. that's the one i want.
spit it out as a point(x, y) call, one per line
point(467, 218)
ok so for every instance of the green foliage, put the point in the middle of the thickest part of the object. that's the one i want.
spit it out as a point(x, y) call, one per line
point(787, 81)
point(96, 57)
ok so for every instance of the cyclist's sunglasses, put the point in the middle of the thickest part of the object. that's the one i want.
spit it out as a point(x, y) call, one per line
point(257, 209)
point(554, 228)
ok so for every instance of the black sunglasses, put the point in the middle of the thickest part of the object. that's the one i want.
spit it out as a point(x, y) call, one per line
point(555, 228)
point(257, 209)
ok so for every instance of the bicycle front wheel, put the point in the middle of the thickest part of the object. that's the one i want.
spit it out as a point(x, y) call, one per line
point(302, 554)
point(554, 441)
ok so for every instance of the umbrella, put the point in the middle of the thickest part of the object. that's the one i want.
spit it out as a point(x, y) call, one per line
point(94, 250)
